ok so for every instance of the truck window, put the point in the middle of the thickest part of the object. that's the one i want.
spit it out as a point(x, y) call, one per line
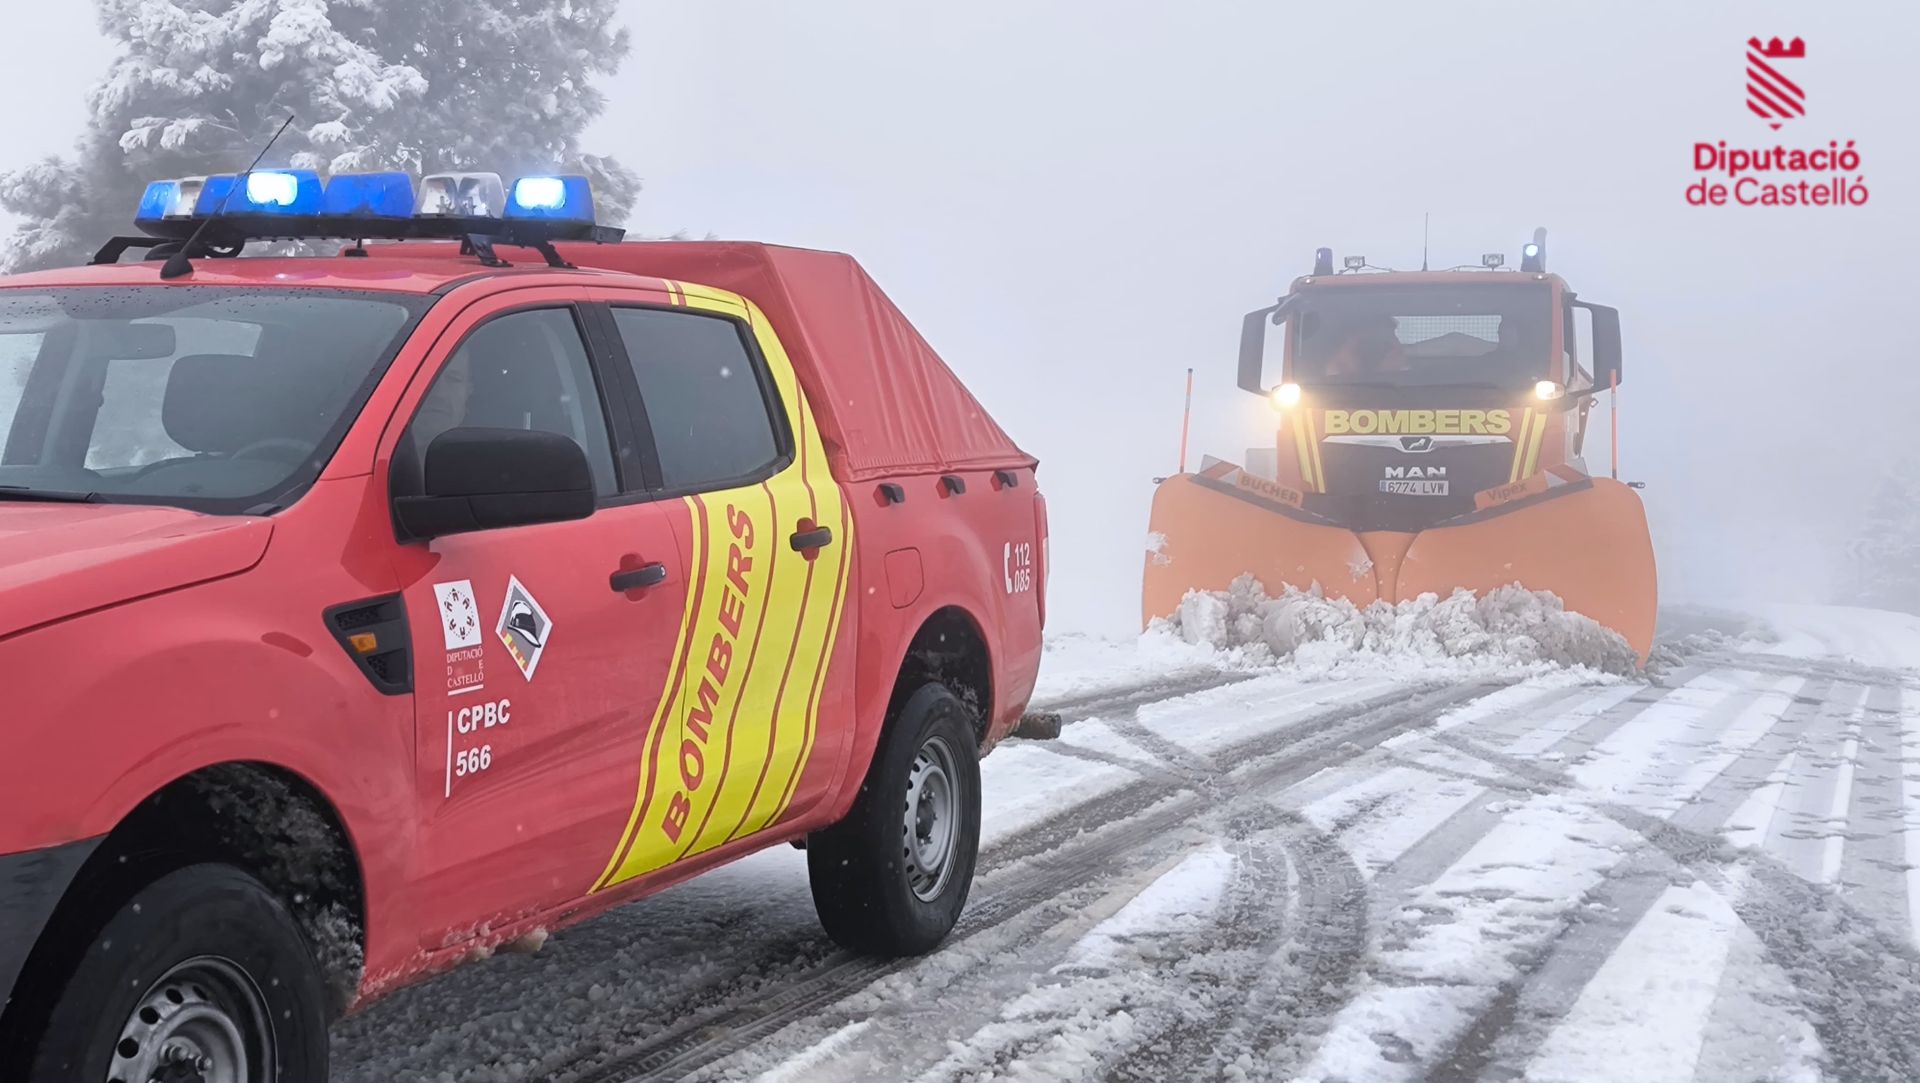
point(1479, 335)
point(215, 398)
point(16, 361)
point(128, 429)
point(525, 370)
point(711, 419)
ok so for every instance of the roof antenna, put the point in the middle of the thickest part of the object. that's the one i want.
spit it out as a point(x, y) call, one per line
point(177, 264)
point(1426, 228)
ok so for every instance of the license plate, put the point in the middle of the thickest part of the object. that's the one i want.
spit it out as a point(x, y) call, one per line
point(1414, 488)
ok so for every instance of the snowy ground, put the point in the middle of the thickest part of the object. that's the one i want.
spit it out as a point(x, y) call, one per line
point(1383, 869)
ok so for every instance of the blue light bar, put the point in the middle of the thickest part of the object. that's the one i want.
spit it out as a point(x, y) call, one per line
point(369, 195)
point(214, 193)
point(273, 191)
point(169, 200)
point(158, 202)
point(460, 195)
point(551, 199)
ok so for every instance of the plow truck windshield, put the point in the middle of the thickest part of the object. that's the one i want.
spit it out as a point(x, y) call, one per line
point(1495, 336)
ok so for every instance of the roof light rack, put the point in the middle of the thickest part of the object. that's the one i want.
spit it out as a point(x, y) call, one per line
point(219, 216)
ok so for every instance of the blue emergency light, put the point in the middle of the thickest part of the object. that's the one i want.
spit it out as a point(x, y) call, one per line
point(219, 215)
point(159, 202)
point(551, 199)
point(369, 195)
point(279, 192)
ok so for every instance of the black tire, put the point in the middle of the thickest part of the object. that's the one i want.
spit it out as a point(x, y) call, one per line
point(225, 947)
point(864, 870)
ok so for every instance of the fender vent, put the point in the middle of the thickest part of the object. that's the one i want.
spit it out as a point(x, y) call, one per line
point(374, 634)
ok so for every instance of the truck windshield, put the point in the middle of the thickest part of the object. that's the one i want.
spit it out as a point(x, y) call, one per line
point(212, 398)
point(1424, 336)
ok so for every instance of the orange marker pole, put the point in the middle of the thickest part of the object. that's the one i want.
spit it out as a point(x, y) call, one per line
point(1613, 420)
point(1186, 417)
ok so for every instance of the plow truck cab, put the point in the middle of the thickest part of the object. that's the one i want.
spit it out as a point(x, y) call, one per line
point(1430, 431)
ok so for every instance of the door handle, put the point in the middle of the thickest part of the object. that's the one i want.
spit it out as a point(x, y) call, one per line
point(816, 538)
point(646, 575)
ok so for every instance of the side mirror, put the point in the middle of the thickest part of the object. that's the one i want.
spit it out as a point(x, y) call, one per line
point(1253, 344)
point(1606, 343)
point(484, 479)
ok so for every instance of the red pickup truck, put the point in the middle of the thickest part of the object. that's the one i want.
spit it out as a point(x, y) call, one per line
point(359, 615)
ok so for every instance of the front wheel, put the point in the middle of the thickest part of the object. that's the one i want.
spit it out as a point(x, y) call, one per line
point(892, 878)
point(203, 976)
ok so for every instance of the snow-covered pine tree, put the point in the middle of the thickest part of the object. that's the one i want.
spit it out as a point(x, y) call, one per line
point(1881, 567)
point(423, 85)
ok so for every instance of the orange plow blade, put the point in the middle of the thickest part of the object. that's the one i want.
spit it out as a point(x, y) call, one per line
point(1203, 539)
point(1588, 544)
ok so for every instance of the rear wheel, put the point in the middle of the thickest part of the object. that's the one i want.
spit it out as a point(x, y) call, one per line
point(892, 878)
point(201, 977)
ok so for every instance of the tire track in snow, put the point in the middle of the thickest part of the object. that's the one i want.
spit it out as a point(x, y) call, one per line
point(1803, 827)
point(1873, 866)
point(1193, 765)
point(1165, 981)
point(1315, 738)
point(1507, 1031)
point(1860, 986)
point(1302, 973)
point(1499, 1043)
point(1832, 669)
point(1448, 841)
point(1075, 850)
point(1156, 772)
point(1126, 700)
point(1706, 712)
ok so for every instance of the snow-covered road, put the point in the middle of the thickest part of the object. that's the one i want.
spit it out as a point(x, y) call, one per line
point(1369, 872)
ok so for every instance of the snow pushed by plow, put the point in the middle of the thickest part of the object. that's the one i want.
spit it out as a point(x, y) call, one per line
point(1510, 631)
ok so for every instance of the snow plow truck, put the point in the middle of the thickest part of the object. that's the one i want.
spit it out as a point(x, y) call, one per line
point(1430, 436)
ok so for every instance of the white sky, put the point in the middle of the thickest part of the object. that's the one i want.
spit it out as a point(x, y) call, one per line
point(1077, 200)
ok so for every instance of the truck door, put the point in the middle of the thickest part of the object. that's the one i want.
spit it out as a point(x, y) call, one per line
point(543, 652)
point(762, 712)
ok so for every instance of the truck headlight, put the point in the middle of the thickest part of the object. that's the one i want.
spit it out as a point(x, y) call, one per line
point(1285, 396)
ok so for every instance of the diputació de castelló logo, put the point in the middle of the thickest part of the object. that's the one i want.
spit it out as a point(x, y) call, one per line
point(1754, 175)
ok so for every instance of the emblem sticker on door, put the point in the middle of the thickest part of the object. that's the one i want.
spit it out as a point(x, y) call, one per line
point(459, 617)
point(460, 629)
point(524, 627)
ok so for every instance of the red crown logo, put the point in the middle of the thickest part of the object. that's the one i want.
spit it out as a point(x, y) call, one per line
point(1773, 50)
point(1772, 96)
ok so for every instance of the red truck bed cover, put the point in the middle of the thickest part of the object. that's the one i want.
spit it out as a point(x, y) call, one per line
point(885, 401)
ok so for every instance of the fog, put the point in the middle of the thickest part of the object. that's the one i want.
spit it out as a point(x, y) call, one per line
point(1077, 201)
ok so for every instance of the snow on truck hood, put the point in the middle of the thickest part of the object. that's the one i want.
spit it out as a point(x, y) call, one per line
point(59, 560)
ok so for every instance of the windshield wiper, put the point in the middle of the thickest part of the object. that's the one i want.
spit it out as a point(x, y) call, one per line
point(50, 496)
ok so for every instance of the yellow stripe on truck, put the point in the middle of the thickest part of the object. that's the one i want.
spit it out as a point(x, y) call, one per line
point(1319, 466)
point(746, 715)
point(666, 714)
point(832, 630)
point(1533, 446)
point(1300, 422)
point(1520, 446)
